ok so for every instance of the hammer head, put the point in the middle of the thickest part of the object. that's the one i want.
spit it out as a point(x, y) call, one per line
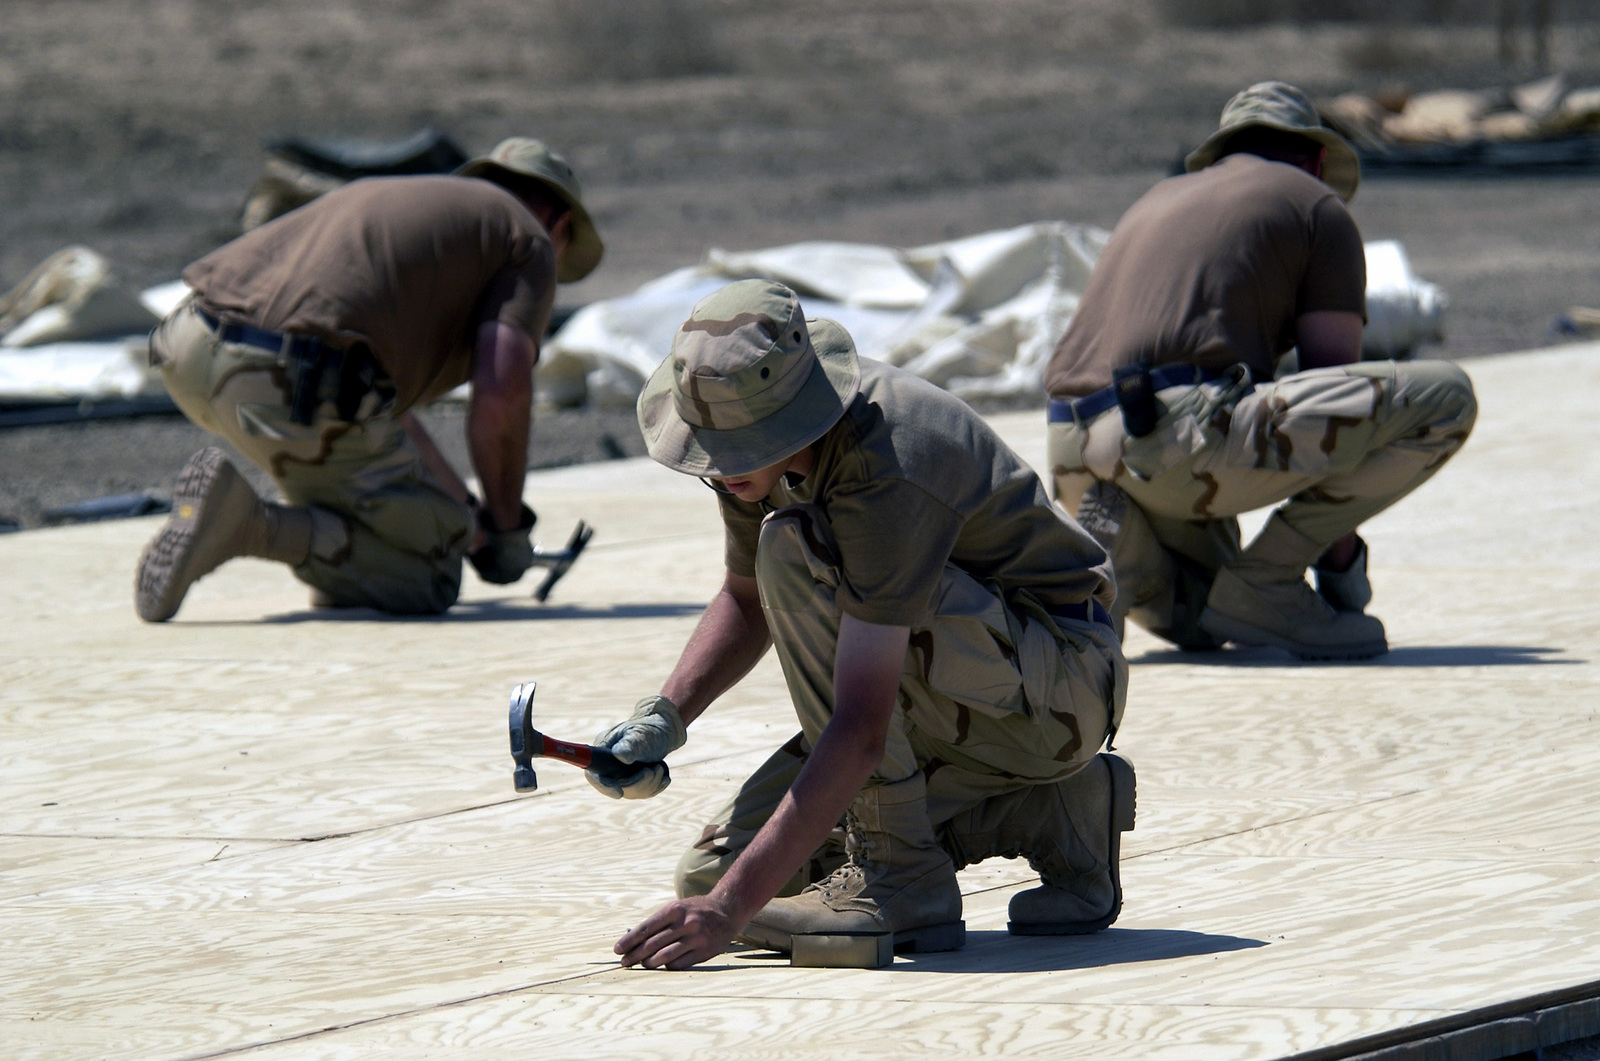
point(560, 562)
point(522, 744)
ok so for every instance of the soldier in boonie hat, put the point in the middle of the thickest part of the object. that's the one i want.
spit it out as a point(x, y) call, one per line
point(327, 325)
point(1280, 106)
point(881, 537)
point(528, 167)
point(749, 381)
point(1207, 284)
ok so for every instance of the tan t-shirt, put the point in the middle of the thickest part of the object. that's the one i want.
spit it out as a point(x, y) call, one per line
point(1211, 269)
point(408, 266)
point(912, 479)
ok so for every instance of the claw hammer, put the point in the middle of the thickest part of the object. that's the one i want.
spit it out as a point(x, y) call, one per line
point(527, 743)
point(559, 561)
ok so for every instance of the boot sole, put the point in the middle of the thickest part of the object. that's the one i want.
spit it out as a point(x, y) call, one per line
point(169, 551)
point(1124, 810)
point(1220, 625)
point(927, 939)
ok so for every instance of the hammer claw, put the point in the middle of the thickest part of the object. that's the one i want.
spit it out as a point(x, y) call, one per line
point(559, 563)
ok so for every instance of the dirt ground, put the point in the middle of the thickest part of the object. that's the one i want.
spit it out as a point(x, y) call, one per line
point(135, 126)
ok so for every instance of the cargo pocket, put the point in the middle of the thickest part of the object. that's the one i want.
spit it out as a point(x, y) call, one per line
point(965, 654)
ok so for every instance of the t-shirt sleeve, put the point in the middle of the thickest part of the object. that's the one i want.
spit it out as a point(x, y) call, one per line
point(522, 293)
point(741, 528)
point(1336, 271)
point(894, 540)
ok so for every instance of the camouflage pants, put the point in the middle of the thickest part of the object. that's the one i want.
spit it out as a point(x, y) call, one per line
point(996, 694)
point(1336, 445)
point(384, 534)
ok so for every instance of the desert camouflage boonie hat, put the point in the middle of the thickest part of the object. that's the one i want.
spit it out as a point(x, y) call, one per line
point(1281, 106)
point(528, 157)
point(749, 382)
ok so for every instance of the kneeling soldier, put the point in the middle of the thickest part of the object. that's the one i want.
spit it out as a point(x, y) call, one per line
point(941, 628)
point(1206, 281)
point(309, 341)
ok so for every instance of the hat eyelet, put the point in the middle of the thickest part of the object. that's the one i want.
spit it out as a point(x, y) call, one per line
point(797, 337)
point(765, 372)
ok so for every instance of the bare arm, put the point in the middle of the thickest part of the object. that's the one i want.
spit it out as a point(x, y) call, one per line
point(730, 638)
point(498, 418)
point(1328, 337)
point(866, 677)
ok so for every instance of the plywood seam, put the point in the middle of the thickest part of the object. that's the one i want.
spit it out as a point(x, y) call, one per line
point(1342, 808)
point(401, 1014)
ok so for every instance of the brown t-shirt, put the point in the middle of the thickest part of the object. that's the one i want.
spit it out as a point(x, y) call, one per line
point(408, 266)
point(1211, 269)
point(912, 479)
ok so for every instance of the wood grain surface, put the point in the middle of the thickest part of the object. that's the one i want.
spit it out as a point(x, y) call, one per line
point(269, 831)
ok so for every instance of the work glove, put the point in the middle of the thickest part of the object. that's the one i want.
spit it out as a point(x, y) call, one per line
point(507, 553)
point(651, 733)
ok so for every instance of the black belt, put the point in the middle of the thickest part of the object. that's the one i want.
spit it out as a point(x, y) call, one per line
point(1082, 410)
point(308, 360)
point(1090, 611)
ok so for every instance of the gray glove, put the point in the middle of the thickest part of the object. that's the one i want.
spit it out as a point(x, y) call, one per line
point(651, 733)
point(507, 554)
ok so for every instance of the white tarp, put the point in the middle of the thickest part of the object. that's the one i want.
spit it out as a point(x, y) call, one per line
point(979, 316)
point(78, 370)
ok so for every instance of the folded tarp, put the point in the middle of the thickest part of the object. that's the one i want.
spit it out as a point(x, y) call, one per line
point(979, 316)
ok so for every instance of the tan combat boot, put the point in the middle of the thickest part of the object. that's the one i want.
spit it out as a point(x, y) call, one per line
point(216, 516)
point(1263, 599)
point(1070, 833)
point(896, 878)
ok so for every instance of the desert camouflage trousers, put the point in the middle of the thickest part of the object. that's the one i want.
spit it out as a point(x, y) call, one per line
point(384, 534)
point(1336, 445)
point(996, 695)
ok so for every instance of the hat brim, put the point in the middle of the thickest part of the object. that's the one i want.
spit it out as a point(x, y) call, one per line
point(1341, 170)
point(816, 407)
point(584, 248)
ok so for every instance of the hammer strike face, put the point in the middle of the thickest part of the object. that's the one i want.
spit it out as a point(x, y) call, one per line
point(521, 737)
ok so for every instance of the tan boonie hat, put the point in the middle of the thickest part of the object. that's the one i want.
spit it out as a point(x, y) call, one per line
point(1281, 106)
point(528, 157)
point(749, 382)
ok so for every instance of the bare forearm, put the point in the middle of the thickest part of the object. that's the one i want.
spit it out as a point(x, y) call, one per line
point(497, 419)
point(866, 678)
point(497, 439)
point(834, 773)
point(730, 638)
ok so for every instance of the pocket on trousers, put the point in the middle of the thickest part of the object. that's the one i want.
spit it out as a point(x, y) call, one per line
point(966, 653)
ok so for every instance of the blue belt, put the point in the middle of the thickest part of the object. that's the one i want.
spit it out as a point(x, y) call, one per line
point(318, 371)
point(263, 339)
point(1082, 410)
point(1089, 611)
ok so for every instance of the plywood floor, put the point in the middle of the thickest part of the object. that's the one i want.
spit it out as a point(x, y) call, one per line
point(267, 831)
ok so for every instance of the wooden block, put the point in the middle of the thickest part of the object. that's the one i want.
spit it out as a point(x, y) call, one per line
point(854, 951)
